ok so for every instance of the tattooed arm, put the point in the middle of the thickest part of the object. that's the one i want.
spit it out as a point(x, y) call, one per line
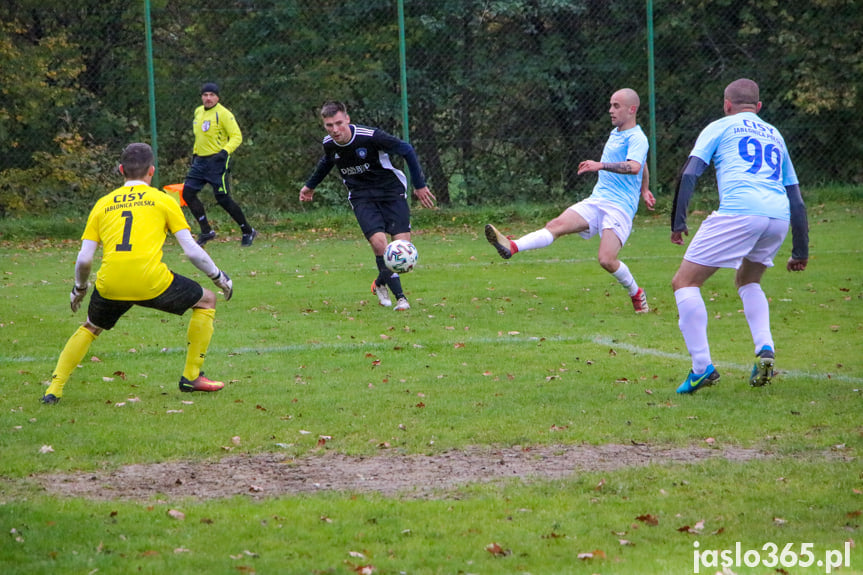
point(627, 167)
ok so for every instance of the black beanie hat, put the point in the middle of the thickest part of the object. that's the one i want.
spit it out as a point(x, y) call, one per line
point(210, 87)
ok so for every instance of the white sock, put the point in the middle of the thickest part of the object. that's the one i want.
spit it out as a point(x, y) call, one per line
point(693, 326)
point(534, 240)
point(757, 312)
point(625, 278)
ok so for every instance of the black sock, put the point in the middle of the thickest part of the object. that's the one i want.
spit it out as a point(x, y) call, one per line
point(384, 272)
point(395, 285)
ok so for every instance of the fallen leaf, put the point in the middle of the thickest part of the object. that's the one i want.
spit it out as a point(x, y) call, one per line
point(649, 519)
point(46, 449)
point(178, 515)
point(497, 550)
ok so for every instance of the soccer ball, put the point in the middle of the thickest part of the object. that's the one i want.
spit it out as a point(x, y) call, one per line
point(400, 256)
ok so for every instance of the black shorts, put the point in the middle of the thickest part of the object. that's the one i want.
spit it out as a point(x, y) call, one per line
point(213, 170)
point(388, 216)
point(181, 295)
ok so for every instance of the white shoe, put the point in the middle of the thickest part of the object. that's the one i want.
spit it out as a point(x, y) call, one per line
point(402, 304)
point(383, 294)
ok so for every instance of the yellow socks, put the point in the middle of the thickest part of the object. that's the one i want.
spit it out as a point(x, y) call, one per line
point(72, 354)
point(199, 335)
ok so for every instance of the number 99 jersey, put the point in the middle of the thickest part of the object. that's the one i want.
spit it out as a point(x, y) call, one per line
point(752, 165)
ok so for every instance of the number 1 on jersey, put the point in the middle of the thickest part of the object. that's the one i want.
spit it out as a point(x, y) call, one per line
point(127, 233)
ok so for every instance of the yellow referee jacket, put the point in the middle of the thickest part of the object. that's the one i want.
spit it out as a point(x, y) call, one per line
point(215, 129)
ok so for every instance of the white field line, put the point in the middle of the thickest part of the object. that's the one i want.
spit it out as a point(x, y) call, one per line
point(785, 373)
point(506, 340)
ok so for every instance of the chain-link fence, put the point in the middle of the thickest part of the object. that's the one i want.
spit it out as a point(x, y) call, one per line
point(504, 97)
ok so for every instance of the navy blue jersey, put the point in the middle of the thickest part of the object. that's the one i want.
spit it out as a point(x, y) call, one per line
point(365, 165)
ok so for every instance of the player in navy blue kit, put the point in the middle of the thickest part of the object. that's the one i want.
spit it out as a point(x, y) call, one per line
point(759, 196)
point(377, 191)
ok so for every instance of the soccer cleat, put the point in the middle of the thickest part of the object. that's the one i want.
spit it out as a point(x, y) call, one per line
point(249, 238)
point(639, 301)
point(402, 304)
point(695, 382)
point(200, 383)
point(50, 399)
point(205, 237)
point(504, 246)
point(762, 371)
point(383, 294)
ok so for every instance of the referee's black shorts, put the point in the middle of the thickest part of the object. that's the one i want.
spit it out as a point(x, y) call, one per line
point(390, 216)
point(213, 170)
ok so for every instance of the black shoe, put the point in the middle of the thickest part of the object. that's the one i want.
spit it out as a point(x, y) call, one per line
point(204, 238)
point(249, 238)
point(50, 399)
point(762, 371)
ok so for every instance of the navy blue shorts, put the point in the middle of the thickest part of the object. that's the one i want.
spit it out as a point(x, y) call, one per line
point(213, 170)
point(182, 294)
point(388, 216)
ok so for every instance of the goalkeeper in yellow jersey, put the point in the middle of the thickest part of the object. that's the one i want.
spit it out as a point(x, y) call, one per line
point(131, 223)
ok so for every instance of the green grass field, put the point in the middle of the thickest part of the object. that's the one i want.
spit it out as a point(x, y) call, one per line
point(538, 359)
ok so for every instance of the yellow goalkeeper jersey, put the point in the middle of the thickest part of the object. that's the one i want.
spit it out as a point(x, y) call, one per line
point(132, 223)
point(215, 129)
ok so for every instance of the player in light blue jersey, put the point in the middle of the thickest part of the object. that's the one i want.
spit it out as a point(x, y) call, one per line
point(622, 179)
point(759, 196)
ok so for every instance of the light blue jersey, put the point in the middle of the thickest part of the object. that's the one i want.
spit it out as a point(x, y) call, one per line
point(622, 190)
point(752, 165)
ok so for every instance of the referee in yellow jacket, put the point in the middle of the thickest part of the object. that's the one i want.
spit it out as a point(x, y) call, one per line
point(217, 136)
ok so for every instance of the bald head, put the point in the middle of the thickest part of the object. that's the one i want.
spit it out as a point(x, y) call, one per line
point(742, 94)
point(629, 97)
point(624, 106)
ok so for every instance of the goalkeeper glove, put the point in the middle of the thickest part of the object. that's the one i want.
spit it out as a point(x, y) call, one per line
point(77, 296)
point(224, 283)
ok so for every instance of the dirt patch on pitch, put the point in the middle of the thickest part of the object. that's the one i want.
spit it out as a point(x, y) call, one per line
point(420, 476)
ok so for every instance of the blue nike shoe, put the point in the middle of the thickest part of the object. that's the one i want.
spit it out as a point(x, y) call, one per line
point(695, 382)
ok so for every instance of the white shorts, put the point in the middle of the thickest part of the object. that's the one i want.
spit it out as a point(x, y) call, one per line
point(723, 240)
point(602, 215)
